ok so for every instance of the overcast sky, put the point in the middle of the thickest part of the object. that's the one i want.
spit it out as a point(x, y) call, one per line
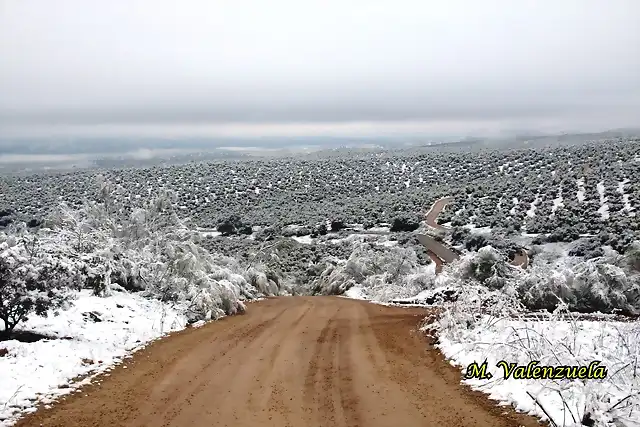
point(308, 67)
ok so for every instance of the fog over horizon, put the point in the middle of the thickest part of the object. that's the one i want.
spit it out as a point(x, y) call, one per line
point(304, 68)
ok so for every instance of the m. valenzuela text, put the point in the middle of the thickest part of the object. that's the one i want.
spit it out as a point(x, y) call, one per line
point(534, 371)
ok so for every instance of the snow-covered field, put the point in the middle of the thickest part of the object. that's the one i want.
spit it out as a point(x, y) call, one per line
point(94, 334)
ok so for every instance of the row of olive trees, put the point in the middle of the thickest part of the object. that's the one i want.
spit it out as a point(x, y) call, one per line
point(373, 188)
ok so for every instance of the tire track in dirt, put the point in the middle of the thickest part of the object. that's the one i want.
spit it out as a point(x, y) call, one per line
point(349, 398)
point(250, 333)
point(317, 390)
point(288, 362)
point(268, 376)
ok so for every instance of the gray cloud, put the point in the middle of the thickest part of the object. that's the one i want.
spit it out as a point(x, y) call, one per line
point(157, 62)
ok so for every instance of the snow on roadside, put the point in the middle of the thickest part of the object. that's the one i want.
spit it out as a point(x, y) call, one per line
point(554, 339)
point(356, 293)
point(94, 333)
point(613, 400)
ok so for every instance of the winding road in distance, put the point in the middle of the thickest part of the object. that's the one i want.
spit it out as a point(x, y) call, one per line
point(441, 254)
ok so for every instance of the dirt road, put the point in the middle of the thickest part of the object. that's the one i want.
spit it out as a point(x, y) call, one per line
point(290, 361)
point(439, 253)
point(521, 259)
point(436, 208)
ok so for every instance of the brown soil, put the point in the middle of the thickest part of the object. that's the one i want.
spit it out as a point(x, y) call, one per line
point(290, 361)
point(521, 259)
point(435, 210)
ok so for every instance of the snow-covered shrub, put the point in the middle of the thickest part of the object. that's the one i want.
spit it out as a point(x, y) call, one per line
point(473, 242)
point(30, 282)
point(594, 285)
point(459, 235)
point(633, 256)
point(489, 324)
point(470, 330)
point(109, 243)
point(405, 223)
point(489, 267)
point(605, 284)
point(587, 248)
point(233, 225)
point(383, 273)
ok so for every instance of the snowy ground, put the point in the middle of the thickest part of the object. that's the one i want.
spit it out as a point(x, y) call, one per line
point(613, 401)
point(552, 340)
point(100, 332)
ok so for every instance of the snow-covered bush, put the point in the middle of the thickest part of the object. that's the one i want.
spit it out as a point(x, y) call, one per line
point(594, 285)
point(633, 256)
point(30, 282)
point(485, 323)
point(109, 243)
point(489, 267)
point(493, 325)
point(383, 273)
point(587, 248)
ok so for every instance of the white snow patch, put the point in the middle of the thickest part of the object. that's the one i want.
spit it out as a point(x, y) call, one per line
point(581, 189)
point(531, 212)
point(307, 240)
point(421, 297)
point(379, 229)
point(477, 230)
point(209, 232)
point(512, 211)
point(557, 202)
point(553, 343)
point(355, 293)
point(625, 197)
point(388, 243)
point(39, 372)
point(600, 187)
point(604, 208)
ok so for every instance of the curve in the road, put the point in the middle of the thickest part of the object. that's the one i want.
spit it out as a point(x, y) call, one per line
point(434, 211)
point(290, 361)
point(441, 254)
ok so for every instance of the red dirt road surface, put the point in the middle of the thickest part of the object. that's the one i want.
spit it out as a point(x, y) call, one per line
point(290, 361)
point(436, 208)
